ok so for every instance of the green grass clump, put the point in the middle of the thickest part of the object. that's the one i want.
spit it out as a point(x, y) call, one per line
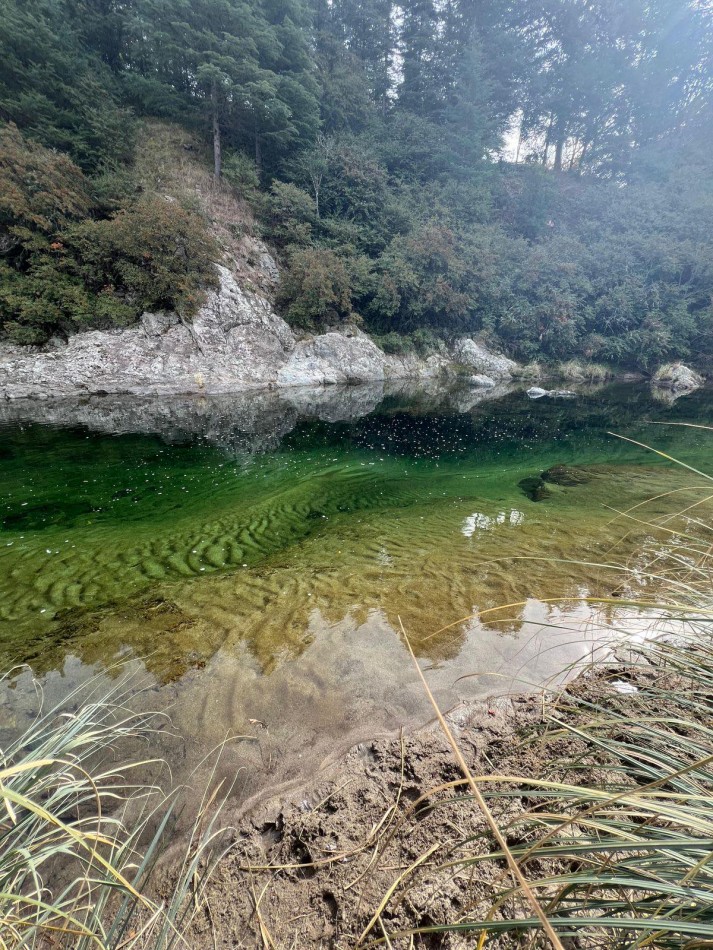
point(80, 834)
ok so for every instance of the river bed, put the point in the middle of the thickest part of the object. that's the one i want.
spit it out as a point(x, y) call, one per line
point(251, 558)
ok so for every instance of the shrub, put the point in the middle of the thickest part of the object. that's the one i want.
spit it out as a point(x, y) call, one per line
point(241, 174)
point(425, 341)
point(289, 214)
point(316, 289)
point(395, 343)
point(40, 190)
point(62, 270)
point(153, 255)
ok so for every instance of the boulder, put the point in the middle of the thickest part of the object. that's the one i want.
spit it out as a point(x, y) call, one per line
point(677, 377)
point(534, 488)
point(566, 475)
point(475, 356)
point(333, 358)
point(412, 366)
point(536, 392)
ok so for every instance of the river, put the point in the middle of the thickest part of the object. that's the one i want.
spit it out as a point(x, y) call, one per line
point(250, 558)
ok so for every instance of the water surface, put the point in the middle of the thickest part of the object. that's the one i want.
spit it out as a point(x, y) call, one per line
point(255, 555)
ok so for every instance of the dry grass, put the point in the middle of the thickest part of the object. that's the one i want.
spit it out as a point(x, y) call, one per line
point(620, 853)
point(172, 162)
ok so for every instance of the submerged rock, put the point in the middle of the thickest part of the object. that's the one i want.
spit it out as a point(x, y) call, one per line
point(534, 488)
point(566, 475)
point(47, 515)
point(536, 392)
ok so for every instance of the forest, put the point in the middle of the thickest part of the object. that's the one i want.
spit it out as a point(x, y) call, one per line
point(537, 172)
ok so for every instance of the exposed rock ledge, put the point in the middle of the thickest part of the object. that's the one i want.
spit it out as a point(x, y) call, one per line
point(235, 341)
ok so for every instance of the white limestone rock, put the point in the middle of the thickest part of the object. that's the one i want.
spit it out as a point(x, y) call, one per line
point(333, 358)
point(677, 377)
point(482, 382)
point(482, 361)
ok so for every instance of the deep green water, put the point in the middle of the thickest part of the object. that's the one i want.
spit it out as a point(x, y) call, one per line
point(236, 536)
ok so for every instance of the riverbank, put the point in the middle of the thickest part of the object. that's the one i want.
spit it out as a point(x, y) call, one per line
point(387, 844)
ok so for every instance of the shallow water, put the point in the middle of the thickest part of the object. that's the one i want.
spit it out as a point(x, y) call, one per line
point(253, 556)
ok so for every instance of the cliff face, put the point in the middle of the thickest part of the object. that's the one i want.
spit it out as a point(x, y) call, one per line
point(235, 341)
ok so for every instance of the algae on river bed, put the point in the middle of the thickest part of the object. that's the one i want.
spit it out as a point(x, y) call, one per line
point(260, 577)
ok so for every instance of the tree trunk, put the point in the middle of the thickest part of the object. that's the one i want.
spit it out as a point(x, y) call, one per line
point(258, 154)
point(559, 149)
point(217, 150)
point(547, 143)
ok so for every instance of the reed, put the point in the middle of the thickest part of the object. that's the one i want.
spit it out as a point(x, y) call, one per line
point(610, 843)
point(80, 834)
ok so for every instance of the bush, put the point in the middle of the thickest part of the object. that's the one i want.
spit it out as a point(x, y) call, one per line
point(62, 270)
point(241, 174)
point(395, 344)
point(425, 341)
point(289, 214)
point(40, 190)
point(316, 289)
point(151, 256)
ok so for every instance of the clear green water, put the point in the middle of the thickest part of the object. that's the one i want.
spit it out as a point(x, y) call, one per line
point(261, 545)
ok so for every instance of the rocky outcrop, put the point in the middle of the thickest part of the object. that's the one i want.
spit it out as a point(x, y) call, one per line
point(411, 366)
point(235, 341)
point(333, 358)
point(677, 378)
point(482, 361)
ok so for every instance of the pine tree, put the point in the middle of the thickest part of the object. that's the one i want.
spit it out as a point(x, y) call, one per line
point(421, 89)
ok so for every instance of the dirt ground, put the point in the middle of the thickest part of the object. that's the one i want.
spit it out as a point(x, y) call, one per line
point(369, 850)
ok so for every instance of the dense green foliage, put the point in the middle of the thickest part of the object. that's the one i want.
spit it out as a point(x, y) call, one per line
point(65, 267)
point(538, 172)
